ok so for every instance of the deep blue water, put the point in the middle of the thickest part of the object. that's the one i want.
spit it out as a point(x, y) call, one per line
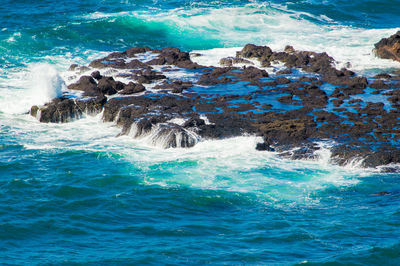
point(76, 194)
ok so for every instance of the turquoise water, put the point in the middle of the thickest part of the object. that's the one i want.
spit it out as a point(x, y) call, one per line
point(75, 194)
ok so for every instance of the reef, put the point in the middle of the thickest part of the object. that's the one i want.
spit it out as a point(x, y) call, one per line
point(302, 100)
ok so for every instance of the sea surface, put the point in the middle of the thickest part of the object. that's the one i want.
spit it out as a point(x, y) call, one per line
point(75, 194)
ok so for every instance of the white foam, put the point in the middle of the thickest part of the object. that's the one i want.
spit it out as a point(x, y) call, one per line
point(13, 37)
point(229, 164)
point(206, 121)
point(101, 15)
point(161, 135)
point(36, 85)
point(211, 57)
point(272, 25)
point(234, 165)
point(177, 120)
point(276, 27)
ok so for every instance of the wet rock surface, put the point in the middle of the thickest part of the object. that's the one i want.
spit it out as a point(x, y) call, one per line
point(146, 92)
point(389, 48)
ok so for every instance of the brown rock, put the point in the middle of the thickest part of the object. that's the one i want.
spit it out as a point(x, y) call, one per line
point(389, 48)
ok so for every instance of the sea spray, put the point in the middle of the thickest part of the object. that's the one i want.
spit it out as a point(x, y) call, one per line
point(46, 82)
point(35, 85)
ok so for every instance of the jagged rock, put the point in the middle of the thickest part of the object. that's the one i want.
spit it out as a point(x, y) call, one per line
point(289, 49)
point(132, 88)
point(140, 128)
point(383, 76)
point(62, 110)
point(389, 48)
point(282, 80)
point(194, 122)
point(86, 84)
point(96, 75)
point(132, 52)
point(262, 146)
point(379, 84)
point(91, 106)
point(176, 86)
point(147, 76)
point(174, 56)
point(108, 86)
point(230, 61)
point(254, 51)
point(284, 72)
point(223, 75)
point(287, 131)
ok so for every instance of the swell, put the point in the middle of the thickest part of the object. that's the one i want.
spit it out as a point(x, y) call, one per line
point(193, 28)
point(205, 28)
point(360, 13)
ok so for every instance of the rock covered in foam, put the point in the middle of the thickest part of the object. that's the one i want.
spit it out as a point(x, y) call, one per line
point(170, 135)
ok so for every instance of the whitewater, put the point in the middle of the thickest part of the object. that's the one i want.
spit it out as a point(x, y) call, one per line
point(77, 193)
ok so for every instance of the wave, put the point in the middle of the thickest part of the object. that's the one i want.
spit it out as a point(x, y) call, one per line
point(271, 25)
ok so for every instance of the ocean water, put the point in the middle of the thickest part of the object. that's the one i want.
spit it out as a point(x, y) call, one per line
point(75, 193)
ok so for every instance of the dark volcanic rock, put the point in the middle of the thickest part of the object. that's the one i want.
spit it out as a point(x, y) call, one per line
point(169, 135)
point(86, 84)
point(254, 51)
point(174, 56)
point(176, 86)
point(230, 61)
point(194, 122)
point(389, 48)
point(96, 75)
point(131, 88)
point(263, 147)
point(61, 110)
point(137, 50)
point(140, 128)
point(379, 84)
point(148, 76)
point(284, 72)
point(242, 100)
point(228, 74)
point(108, 86)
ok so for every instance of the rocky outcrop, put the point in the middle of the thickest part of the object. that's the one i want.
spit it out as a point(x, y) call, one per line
point(389, 48)
point(62, 110)
point(289, 112)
